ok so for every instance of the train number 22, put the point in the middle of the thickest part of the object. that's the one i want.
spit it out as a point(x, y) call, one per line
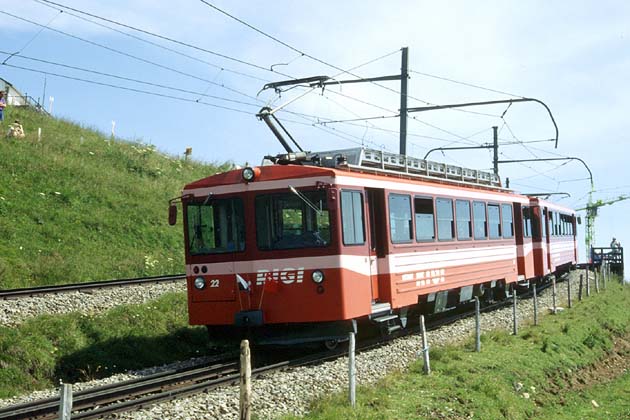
point(214, 283)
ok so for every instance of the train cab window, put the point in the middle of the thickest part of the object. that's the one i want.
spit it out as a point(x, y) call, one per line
point(479, 216)
point(352, 218)
point(288, 221)
point(464, 222)
point(527, 222)
point(507, 220)
point(445, 220)
point(494, 221)
point(215, 226)
point(425, 220)
point(400, 222)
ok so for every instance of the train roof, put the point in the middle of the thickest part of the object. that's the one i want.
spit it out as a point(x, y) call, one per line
point(550, 205)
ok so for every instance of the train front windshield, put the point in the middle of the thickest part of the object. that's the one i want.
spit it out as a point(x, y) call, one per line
point(216, 227)
point(288, 221)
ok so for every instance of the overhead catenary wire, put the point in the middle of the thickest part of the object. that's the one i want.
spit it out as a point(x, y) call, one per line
point(166, 38)
point(129, 79)
point(465, 83)
point(134, 57)
point(179, 98)
point(305, 54)
point(146, 41)
point(30, 41)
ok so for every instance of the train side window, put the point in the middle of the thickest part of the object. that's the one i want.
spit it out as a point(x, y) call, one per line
point(400, 223)
point(479, 215)
point(425, 220)
point(445, 220)
point(527, 222)
point(508, 221)
point(551, 219)
point(464, 224)
point(543, 223)
point(494, 221)
point(352, 218)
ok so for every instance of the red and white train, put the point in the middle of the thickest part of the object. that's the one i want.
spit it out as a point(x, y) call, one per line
point(301, 249)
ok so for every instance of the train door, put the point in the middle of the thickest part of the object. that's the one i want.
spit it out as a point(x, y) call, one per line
point(376, 235)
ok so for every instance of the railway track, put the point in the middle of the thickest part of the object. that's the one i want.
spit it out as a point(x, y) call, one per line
point(64, 288)
point(220, 371)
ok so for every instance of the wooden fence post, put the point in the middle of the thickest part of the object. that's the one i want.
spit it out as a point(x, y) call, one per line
point(65, 403)
point(514, 310)
point(535, 306)
point(581, 286)
point(477, 326)
point(553, 283)
point(246, 381)
point(569, 303)
point(588, 283)
point(596, 279)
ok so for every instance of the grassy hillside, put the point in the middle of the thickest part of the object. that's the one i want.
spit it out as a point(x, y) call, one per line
point(80, 206)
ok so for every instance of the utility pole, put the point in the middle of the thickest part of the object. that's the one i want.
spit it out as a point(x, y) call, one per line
point(495, 147)
point(404, 75)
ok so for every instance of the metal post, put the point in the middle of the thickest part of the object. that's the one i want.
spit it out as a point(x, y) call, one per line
point(581, 286)
point(595, 271)
point(514, 310)
point(65, 403)
point(553, 296)
point(477, 326)
point(535, 305)
point(495, 159)
point(404, 75)
point(588, 283)
point(246, 381)
point(425, 347)
point(569, 303)
point(352, 372)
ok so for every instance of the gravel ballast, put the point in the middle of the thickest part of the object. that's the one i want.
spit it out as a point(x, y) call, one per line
point(291, 391)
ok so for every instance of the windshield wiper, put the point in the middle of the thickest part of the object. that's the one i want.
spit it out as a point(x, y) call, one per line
point(308, 202)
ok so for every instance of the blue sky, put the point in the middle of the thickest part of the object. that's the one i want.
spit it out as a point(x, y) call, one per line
point(573, 56)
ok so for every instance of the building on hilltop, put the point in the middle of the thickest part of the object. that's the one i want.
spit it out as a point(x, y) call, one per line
point(16, 98)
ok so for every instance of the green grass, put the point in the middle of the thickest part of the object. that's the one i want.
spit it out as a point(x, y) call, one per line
point(548, 360)
point(74, 347)
point(79, 206)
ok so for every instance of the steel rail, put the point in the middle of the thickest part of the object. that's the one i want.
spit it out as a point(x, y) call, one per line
point(63, 288)
point(145, 391)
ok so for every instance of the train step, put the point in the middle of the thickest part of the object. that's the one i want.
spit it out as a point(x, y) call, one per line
point(393, 328)
point(378, 308)
point(385, 318)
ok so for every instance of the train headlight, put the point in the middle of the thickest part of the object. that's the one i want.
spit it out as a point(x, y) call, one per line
point(200, 283)
point(317, 276)
point(248, 174)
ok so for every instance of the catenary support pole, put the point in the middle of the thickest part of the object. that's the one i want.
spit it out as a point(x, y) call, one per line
point(535, 305)
point(65, 403)
point(352, 370)
point(404, 75)
point(477, 326)
point(425, 347)
point(246, 381)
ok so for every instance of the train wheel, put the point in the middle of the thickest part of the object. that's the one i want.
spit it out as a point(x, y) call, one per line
point(331, 344)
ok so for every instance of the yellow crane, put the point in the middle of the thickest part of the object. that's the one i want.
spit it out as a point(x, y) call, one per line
point(591, 213)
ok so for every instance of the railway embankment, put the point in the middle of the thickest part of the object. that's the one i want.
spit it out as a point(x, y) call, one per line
point(78, 205)
point(578, 345)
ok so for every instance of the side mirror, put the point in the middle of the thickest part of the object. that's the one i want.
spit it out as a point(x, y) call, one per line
point(579, 220)
point(172, 214)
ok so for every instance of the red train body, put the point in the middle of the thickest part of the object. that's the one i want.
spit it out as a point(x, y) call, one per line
point(294, 252)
